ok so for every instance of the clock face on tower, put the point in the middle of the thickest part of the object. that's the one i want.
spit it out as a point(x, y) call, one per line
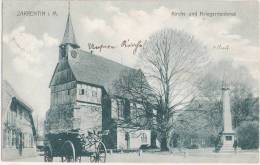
point(74, 53)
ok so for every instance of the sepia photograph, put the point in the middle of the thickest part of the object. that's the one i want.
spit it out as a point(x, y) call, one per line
point(130, 81)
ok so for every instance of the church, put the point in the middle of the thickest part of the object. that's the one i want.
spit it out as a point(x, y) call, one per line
point(82, 96)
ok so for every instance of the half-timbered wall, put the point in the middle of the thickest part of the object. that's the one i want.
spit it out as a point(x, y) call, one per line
point(18, 119)
point(18, 133)
point(88, 94)
point(63, 93)
point(63, 74)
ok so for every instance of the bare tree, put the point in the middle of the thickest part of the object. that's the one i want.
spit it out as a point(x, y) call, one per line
point(171, 61)
point(206, 112)
point(243, 88)
point(133, 85)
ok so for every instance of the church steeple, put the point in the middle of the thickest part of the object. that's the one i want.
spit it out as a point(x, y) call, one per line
point(69, 36)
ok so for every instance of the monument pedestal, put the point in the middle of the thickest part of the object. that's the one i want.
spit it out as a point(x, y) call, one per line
point(228, 142)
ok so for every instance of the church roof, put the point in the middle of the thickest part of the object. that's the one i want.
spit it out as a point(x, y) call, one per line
point(88, 67)
point(69, 36)
point(97, 70)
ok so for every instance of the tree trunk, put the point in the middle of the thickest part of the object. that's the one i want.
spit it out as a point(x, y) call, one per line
point(153, 139)
point(164, 146)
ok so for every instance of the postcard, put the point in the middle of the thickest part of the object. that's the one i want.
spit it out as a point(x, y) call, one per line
point(159, 81)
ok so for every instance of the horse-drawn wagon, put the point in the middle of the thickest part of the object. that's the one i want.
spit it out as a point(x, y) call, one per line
point(70, 146)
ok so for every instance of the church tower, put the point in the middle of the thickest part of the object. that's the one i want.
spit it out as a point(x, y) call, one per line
point(63, 85)
point(69, 39)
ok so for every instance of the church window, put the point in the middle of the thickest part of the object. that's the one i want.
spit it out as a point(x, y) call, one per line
point(63, 52)
point(126, 106)
point(114, 109)
point(82, 91)
point(94, 93)
point(21, 114)
point(120, 108)
point(68, 92)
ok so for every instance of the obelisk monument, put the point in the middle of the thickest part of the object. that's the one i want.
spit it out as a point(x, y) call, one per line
point(228, 135)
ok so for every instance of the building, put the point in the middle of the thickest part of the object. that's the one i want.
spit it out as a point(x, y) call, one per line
point(82, 96)
point(18, 131)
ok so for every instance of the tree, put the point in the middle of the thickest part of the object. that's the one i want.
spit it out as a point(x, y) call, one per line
point(171, 61)
point(133, 85)
point(243, 94)
point(248, 135)
point(196, 124)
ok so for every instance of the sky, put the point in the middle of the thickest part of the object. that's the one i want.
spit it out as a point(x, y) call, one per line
point(30, 43)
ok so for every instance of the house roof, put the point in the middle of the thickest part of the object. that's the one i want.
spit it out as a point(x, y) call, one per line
point(22, 103)
point(7, 94)
point(10, 95)
point(69, 36)
point(96, 70)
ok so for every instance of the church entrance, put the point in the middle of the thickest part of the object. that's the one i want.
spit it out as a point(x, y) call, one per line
point(127, 139)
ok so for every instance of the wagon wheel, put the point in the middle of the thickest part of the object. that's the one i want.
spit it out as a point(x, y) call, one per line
point(100, 153)
point(68, 152)
point(48, 157)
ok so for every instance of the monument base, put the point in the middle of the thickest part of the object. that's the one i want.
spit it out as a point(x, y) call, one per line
point(228, 142)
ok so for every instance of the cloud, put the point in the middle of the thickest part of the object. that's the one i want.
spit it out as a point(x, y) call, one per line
point(49, 41)
point(110, 8)
point(28, 50)
point(139, 25)
point(96, 26)
point(32, 60)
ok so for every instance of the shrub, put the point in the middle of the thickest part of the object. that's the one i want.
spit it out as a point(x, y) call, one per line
point(193, 146)
point(248, 135)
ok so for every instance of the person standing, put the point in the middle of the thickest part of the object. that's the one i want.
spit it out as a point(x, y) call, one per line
point(235, 145)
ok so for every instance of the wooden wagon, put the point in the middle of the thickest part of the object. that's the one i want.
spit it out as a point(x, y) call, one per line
point(70, 146)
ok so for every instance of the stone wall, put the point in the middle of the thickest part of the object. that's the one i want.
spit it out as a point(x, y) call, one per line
point(59, 118)
point(88, 117)
point(136, 138)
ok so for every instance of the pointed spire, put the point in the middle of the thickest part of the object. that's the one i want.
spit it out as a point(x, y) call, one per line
point(69, 6)
point(69, 36)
